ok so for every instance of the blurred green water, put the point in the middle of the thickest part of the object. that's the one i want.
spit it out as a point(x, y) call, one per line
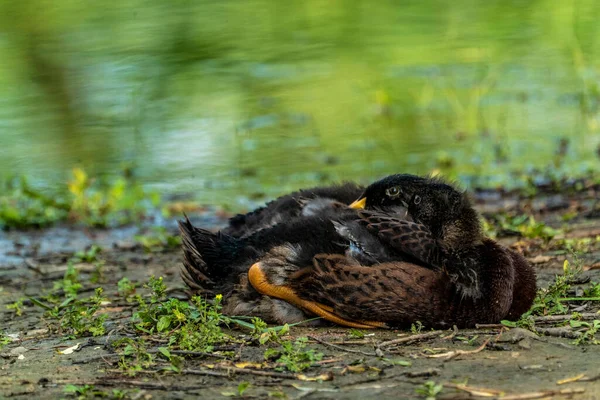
point(249, 98)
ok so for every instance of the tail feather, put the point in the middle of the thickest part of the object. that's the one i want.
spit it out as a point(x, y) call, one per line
point(206, 256)
point(195, 270)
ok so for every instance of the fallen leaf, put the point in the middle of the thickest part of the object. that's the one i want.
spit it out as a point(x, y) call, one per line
point(590, 267)
point(476, 391)
point(70, 350)
point(248, 365)
point(36, 332)
point(355, 369)
point(328, 376)
point(107, 310)
point(540, 259)
point(571, 379)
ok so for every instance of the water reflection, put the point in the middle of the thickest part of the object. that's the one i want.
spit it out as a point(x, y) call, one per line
point(251, 98)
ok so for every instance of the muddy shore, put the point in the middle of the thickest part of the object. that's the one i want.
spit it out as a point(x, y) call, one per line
point(489, 361)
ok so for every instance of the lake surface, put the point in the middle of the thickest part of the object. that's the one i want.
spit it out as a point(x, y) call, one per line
point(232, 100)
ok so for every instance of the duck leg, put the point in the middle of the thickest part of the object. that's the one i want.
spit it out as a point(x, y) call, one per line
point(259, 279)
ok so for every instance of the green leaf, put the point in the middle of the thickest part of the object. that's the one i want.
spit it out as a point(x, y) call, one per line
point(242, 387)
point(163, 323)
point(402, 363)
point(165, 352)
point(39, 303)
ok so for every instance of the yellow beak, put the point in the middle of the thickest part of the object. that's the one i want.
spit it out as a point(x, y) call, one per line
point(359, 204)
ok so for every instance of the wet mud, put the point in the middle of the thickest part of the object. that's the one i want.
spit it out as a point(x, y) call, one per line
point(490, 361)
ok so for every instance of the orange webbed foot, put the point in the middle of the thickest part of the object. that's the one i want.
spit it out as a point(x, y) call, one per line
point(259, 281)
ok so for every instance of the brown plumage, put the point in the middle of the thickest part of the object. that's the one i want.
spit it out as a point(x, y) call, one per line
point(400, 293)
point(416, 253)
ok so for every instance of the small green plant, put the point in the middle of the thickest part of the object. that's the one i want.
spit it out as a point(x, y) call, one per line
point(570, 246)
point(176, 362)
point(76, 317)
point(550, 301)
point(588, 334)
point(89, 256)
point(90, 392)
point(94, 202)
point(118, 394)
point(80, 318)
point(593, 290)
point(416, 328)
point(126, 288)
point(356, 334)
point(4, 340)
point(523, 225)
point(526, 322)
point(21, 206)
point(294, 356)
point(135, 356)
point(429, 390)
point(264, 334)
point(107, 204)
point(159, 240)
point(81, 392)
point(469, 341)
point(241, 389)
point(70, 283)
point(194, 327)
point(17, 307)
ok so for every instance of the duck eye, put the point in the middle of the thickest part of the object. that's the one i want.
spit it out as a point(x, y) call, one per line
point(417, 199)
point(393, 191)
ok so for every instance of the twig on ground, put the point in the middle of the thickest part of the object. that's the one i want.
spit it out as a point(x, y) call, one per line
point(180, 352)
point(408, 374)
point(455, 353)
point(410, 339)
point(139, 384)
point(499, 394)
point(270, 374)
point(544, 394)
point(579, 378)
point(454, 333)
point(340, 348)
point(489, 326)
point(567, 317)
point(564, 332)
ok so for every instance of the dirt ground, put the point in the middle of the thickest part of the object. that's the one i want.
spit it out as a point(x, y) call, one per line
point(488, 361)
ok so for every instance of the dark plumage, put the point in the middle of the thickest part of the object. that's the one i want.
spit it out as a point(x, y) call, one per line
point(418, 254)
point(219, 263)
point(400, 293)
point(306, 202)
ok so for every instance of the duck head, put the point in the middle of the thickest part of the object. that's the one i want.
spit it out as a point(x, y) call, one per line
point(446, 211)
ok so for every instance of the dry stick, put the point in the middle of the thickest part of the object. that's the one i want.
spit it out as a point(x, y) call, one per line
point(139, 384)
point(455, 353)
point(489, 326)
point(279, 375)
point(567, 317)
point(195, 353)
point(182, 352)
point(499, 394)
point(543, 395)
point(410, 339)
point(407, 374)
point(559, 332)
point(340, 348)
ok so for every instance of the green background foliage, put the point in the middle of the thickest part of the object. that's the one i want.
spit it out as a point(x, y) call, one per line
point(253, 98)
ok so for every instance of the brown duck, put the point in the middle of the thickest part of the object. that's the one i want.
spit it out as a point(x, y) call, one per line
point(425, 272)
